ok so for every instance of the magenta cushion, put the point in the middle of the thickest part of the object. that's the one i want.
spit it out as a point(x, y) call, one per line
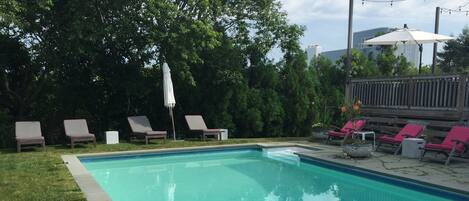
point(336, 134)
point(353, 125)
point(456, 133)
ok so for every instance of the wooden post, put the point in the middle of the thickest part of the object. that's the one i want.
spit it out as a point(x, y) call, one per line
point(348, 64)
point(462, 84)
point(348, 92)
point(435, 45)
point(410, 92)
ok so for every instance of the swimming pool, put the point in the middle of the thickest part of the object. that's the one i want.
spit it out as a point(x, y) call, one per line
point(240, 174)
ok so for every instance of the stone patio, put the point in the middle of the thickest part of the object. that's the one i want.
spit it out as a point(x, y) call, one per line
point(430, 170)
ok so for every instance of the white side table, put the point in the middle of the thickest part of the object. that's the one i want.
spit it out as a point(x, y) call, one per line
point(412, 147)
point(224, 134)
point(112, 137)
point(364, 134)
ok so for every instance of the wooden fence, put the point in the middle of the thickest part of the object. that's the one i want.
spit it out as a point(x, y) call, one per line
point(443, 97)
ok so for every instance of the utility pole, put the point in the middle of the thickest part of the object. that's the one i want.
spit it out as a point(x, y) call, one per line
point(348, 64)
point(435, 45)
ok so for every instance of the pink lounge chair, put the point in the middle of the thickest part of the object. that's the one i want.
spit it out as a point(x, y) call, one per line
point(455, 143)
point(408, 131)
point(348, 129)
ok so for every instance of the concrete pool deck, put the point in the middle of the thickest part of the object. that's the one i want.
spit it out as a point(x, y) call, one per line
point(453, 177)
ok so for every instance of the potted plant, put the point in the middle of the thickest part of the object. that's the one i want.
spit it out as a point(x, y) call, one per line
point(356, 148)
point(351, 111)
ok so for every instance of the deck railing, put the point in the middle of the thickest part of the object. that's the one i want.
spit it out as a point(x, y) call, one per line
point(436, 96)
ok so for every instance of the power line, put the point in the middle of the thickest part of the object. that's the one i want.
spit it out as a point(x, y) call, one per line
point(458, 9)
point(466, 4)
point(451, 11)
point(381, 1)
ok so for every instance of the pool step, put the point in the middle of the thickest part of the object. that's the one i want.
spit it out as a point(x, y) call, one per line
point(282, 155)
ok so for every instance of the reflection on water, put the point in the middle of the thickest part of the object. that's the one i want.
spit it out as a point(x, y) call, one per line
point(239, 176)
point(330, 195)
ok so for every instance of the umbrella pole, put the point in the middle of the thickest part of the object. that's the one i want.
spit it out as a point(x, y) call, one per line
point(172, 121)
point(420, 63)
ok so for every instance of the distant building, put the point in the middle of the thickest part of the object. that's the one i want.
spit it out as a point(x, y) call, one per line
point(334, 55)
point(411, 52)
point(312, 52)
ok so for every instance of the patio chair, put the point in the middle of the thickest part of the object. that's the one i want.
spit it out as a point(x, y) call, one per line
point(28, 133)
point(197, 123)
point(454, 144)
point(408, 131)
point(141, 127)
point(77, 131)
point(347, 130)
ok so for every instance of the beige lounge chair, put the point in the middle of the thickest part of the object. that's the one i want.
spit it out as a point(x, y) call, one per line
point(197, 123)
point(28, 133)
point(77, 131)
point(141, 127)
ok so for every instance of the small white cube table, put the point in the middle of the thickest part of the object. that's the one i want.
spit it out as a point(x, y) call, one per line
point(224, 134)
point(364, 134)
point(112, 137)
point(412, 147)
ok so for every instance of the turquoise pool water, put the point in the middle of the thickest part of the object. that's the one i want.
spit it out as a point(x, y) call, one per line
point(240, 175)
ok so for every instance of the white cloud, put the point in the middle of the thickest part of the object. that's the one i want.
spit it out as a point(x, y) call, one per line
point(302, 11)
point(326, 20)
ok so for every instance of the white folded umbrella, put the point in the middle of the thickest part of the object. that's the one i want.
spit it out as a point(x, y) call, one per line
point(169, 100)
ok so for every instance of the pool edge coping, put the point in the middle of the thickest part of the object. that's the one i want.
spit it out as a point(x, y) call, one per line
point(93, 191)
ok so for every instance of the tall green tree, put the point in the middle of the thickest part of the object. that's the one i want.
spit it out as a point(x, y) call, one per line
point(330, 86)
point(297, 89)
point(391, 65)
point(362, 66)
point(454, 57)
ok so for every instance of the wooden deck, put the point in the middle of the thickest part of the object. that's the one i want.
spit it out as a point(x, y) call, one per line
point(441, 97)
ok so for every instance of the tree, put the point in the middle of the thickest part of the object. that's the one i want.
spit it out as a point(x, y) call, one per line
point(265, 83)
point(391, 65)
point(297, 89)
point(100, 60)
point(362, 66)
point(330, 87)
point(454, 57)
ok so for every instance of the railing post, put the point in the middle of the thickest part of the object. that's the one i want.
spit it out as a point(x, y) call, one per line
point(461, 98)
point(348, 92)
point(410, 92)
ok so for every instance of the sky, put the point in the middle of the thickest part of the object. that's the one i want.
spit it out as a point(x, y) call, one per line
point(326, 21)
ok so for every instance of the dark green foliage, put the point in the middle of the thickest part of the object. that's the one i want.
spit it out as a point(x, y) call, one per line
point(391, 65)
point(362, 66)
point(298, 93)
point(454, 58)
point(100, 60)
point(330, 86)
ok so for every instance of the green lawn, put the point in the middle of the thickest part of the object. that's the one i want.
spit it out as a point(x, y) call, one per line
point(36, 175)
